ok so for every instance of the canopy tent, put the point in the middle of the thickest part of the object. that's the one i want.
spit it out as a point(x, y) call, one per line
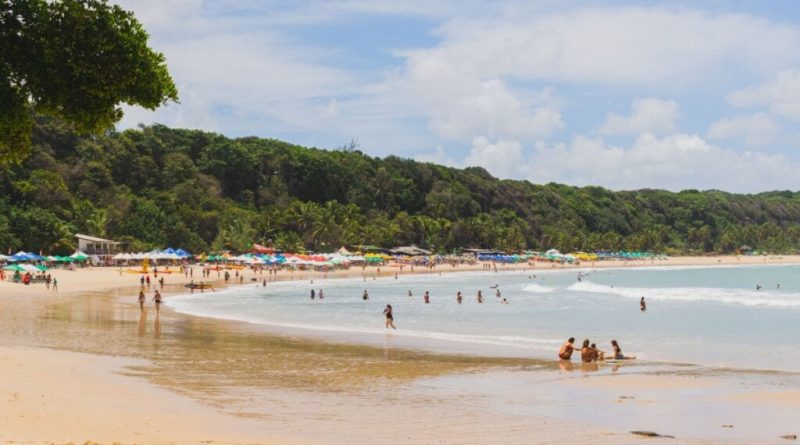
point(79, 256)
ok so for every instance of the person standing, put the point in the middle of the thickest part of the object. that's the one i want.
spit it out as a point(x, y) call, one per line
point(312, 294)
point(389, 317)
point(642, 305)
point(427, 297)
point(459, 298)
point(141, 300)
point(480, 297)
point(365, 296)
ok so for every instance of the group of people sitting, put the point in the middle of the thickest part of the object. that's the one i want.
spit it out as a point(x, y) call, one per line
point(590, 353)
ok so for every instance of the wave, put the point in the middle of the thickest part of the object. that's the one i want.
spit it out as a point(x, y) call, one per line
point(538, 289)
point(188, 307)
point(689, 294)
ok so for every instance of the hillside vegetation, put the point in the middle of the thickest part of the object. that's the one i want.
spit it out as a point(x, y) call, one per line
point(157, 186)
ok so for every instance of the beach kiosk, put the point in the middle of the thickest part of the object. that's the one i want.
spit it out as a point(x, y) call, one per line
point(104, 249)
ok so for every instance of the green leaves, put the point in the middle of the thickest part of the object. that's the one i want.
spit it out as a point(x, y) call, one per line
point(77, 60)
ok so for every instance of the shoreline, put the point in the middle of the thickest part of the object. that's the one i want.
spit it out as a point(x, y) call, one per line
point(250, 386)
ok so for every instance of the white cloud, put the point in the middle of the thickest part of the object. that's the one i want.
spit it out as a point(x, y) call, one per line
point(674, 162)
point(463, 104)
point(502, 158)
point(617, 46)
point(648, 116)
point(756, 129)
point(439, 156)
point(780, 95)
point(192, 112)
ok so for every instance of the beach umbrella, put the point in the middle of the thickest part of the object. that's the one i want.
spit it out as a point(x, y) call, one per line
point(29, 268)
point(15, 267)
point(41, 268)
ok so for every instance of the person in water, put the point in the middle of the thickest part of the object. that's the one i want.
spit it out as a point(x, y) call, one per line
point(480, 297)
point(459, 298)
point(427, 297)
point(365, 297)
point(312, 294)
point(141, 300)
point(642, 305)
point(618, 355)
point(565, 353)
point(601, 355)
point(389, 317)
point(321, 295)
point(588, 355)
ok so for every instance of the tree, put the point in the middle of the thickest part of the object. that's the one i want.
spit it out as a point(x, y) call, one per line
point(74, 59)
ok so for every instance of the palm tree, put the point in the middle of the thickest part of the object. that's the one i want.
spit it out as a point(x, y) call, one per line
point(98, 222)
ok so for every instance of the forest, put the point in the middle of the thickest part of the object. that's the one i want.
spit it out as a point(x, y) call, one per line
point(156, 186)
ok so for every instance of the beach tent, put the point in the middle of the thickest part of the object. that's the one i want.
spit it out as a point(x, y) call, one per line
point(79, 256)
point(343, 251)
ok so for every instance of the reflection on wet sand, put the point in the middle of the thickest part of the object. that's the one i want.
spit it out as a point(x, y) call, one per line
point(142, 323)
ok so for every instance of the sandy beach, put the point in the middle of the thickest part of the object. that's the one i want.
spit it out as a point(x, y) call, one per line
point(83, 364)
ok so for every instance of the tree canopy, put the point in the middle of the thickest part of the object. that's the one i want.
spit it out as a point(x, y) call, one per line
point(156, 186)
point(74, 59)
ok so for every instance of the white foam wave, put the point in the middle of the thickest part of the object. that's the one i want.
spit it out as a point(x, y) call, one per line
point(538, 289)
point(189, 307)
point(689, 294)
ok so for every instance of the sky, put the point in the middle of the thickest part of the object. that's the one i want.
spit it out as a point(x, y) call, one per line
point(626, 95)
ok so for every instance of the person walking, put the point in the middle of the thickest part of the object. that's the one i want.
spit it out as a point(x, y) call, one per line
point(389, 317)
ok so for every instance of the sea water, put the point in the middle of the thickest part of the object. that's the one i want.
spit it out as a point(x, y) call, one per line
point(709, 316)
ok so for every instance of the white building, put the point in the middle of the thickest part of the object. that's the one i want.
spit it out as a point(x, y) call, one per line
point(103, 248)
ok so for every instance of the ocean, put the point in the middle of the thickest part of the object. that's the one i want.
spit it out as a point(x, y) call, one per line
point(708, 316)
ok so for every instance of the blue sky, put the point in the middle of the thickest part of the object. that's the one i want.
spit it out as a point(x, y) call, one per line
point(626, 95)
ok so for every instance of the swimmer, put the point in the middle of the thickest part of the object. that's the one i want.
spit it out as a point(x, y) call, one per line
point(504, 301)
point(365, 297)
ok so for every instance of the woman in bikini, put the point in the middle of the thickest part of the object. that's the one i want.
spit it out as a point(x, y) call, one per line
point(618, 355)
point(389, 317)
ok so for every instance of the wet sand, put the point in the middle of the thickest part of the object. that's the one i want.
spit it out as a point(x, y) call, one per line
point(88, 366)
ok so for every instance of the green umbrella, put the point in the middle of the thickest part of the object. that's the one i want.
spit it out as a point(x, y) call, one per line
point(15, 267)
point(42, 268)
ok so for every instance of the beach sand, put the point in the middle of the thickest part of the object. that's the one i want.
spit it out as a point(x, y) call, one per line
point(83, 364)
